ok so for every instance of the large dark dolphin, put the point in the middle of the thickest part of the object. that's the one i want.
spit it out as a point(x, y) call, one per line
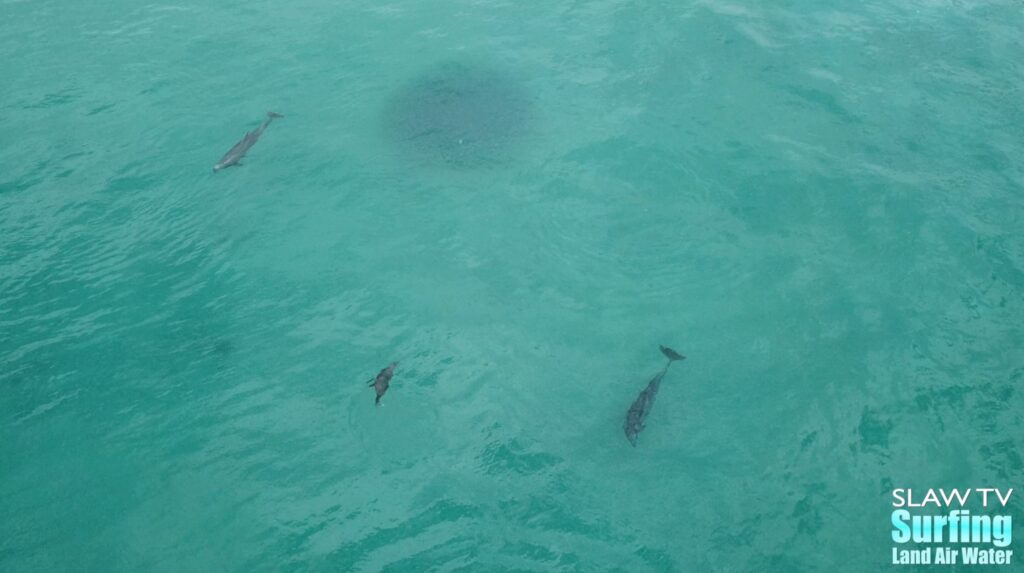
point(235, 154)
point(382, 381)
point(645, 401)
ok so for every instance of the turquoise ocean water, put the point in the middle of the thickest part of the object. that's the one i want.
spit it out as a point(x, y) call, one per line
point(820, 203)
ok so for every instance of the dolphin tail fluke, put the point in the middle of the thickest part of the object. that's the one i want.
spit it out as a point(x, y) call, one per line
point(672, 355)
point(273, 115)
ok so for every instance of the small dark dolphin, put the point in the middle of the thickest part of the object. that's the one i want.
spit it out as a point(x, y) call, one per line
point(235, 154)
point(645, 401)
point(382, 381)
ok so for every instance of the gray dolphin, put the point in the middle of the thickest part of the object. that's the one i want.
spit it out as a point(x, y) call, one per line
point(645, 401)
point(235, 154)
point(383, 379)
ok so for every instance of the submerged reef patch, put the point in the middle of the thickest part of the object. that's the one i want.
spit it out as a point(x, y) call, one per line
point(458, 115)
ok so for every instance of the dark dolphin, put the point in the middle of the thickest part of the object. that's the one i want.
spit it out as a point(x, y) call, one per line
point(645, 401)
point(382, 381)
point(235, 154)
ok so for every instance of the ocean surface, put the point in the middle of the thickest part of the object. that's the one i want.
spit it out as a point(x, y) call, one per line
point(820, 203)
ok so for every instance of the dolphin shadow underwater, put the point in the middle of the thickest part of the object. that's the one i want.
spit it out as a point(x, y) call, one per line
point(641, 407)
point(235, 154)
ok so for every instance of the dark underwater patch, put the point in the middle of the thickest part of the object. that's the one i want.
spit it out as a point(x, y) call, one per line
point(458, 115)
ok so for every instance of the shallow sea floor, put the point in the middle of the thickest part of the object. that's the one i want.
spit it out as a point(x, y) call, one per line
point(820, 204)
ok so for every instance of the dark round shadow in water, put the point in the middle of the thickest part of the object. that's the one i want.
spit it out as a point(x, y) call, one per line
point(459, 115)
